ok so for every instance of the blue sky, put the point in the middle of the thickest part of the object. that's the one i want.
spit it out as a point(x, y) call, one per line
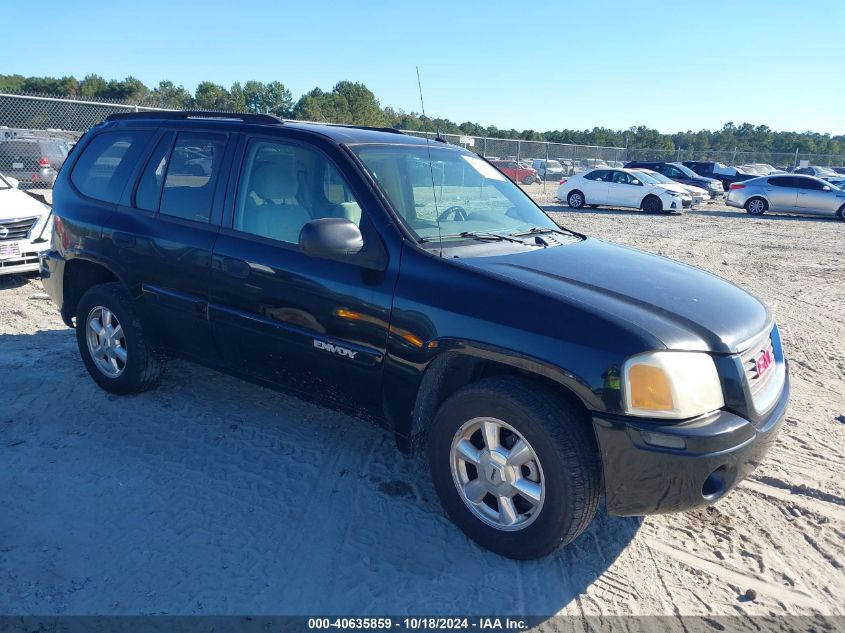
point(521, 64)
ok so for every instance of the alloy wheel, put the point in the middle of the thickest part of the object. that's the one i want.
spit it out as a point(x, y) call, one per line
point(106, 341)
point(497, 474)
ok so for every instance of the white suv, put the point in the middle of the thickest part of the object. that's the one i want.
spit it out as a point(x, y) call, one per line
point(24, 228)
point(621, 188)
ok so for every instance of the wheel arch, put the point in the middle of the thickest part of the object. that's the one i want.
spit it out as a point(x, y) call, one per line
point(455, 368)
point(80, 274)
point(648, 196)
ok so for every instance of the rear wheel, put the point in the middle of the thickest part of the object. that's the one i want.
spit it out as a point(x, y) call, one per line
point(756, 206)
point(575, 200)
point(528, 180)
point(652, 204)
point(514, 467)
point(112, 343)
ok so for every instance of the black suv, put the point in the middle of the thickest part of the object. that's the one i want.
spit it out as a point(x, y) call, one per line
point(723, 173)
point(682, 174)
point(410, 282)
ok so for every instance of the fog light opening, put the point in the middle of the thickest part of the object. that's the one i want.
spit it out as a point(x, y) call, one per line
point(715, 484)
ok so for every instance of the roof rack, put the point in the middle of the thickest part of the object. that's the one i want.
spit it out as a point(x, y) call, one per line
point(390, 130)
point(198, 115)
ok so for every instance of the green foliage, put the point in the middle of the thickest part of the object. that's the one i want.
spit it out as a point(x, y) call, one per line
point(353, 103)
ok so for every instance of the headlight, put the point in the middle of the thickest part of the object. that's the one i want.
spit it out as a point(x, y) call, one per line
point(671, 385)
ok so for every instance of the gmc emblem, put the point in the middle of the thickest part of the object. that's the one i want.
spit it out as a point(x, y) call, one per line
point(764, 361)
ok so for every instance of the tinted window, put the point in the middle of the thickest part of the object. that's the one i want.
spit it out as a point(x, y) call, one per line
point(284, 186)
point(808, 183)
point(149, 187)
point(106, 163)
point(602, 175)
point(673, 172)
point(189, 184)
point(781, 181)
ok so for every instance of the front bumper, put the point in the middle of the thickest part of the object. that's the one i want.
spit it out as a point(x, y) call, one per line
point(718, 452)
point(21, 256)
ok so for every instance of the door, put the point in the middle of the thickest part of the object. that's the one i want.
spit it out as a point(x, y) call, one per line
point(782, 193)
point(595, 186)
point(311, 325)
point(622, 191)
point(164, 231)
point(812, 197)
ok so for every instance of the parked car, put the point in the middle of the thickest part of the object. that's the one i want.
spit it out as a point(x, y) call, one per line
point(548, 169)
point(33, 162)
point(761, 169)
point(315, 259)
point(589, 163)
point(682, 174)
point(517, 172)
point(792, 194)
point(621, 188)
point(699, 195)
point(838, 170)
point(25, 227)
point(816, 170)
point(719, 171)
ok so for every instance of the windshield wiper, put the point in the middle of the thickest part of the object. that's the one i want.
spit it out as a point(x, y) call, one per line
point(472, 235)
point(537, 230)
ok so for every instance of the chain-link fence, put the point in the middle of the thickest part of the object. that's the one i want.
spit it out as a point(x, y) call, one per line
point(533, 164)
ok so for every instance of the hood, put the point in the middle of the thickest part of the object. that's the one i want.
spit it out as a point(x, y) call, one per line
point(698, 191)
point(14, 204)
point(679, 188)
point(682, 306)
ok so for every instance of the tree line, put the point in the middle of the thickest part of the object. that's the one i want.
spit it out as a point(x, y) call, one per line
point(353, 103)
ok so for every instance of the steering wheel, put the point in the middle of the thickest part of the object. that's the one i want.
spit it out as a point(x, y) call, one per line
point(460, 213)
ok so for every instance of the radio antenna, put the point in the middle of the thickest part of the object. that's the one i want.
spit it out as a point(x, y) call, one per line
point(430, 166)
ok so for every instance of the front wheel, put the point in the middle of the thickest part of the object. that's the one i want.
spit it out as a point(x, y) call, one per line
point(528, 180)
point(112, 343)
point(841, 213)
point(652, 204)
point(514, 467)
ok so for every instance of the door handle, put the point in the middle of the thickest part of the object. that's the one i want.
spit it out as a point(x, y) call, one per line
point(123, 239)
point(235, 267)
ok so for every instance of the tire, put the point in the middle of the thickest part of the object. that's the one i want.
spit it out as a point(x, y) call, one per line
point(528, 180)
point(134, 369)
point(564, 477)
point(841, 213)
point(575, 199)
point(756, 206)
point(652, 204)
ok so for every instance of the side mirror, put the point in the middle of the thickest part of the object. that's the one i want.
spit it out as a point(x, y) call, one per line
point(636, 182)
point(340, 240)
point(13, 181)
point(826, 188)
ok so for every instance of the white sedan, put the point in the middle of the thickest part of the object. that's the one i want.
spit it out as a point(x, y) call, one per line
point(24, 228)
point(620, 188)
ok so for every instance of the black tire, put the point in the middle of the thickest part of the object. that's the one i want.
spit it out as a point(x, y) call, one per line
point(753, 206)
point(841, 213)
point(528, 180)
point(652, 204)
point(563, 440)
point(143, 367)
point(575, 199)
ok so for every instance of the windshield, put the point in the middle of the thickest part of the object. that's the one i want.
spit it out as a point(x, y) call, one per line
point(647, 177)
point(465, 195)
point(689, 173)
point(553, 164)
point(658, 177)
point(825, 171)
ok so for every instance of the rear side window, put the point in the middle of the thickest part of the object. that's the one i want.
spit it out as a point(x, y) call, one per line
point(781, 181)
point(191, 175)
point(106, 163)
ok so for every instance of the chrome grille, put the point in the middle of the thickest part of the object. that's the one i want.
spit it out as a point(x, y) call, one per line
point(16, 229)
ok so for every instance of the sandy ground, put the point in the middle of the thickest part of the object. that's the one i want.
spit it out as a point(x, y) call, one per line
point(213, 496)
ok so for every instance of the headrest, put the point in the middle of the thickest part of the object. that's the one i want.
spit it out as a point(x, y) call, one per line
point(275, 180)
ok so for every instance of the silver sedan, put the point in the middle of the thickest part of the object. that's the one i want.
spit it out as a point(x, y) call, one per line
point(791, 194)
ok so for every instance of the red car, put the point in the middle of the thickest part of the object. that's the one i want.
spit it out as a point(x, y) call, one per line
point(517, 172)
